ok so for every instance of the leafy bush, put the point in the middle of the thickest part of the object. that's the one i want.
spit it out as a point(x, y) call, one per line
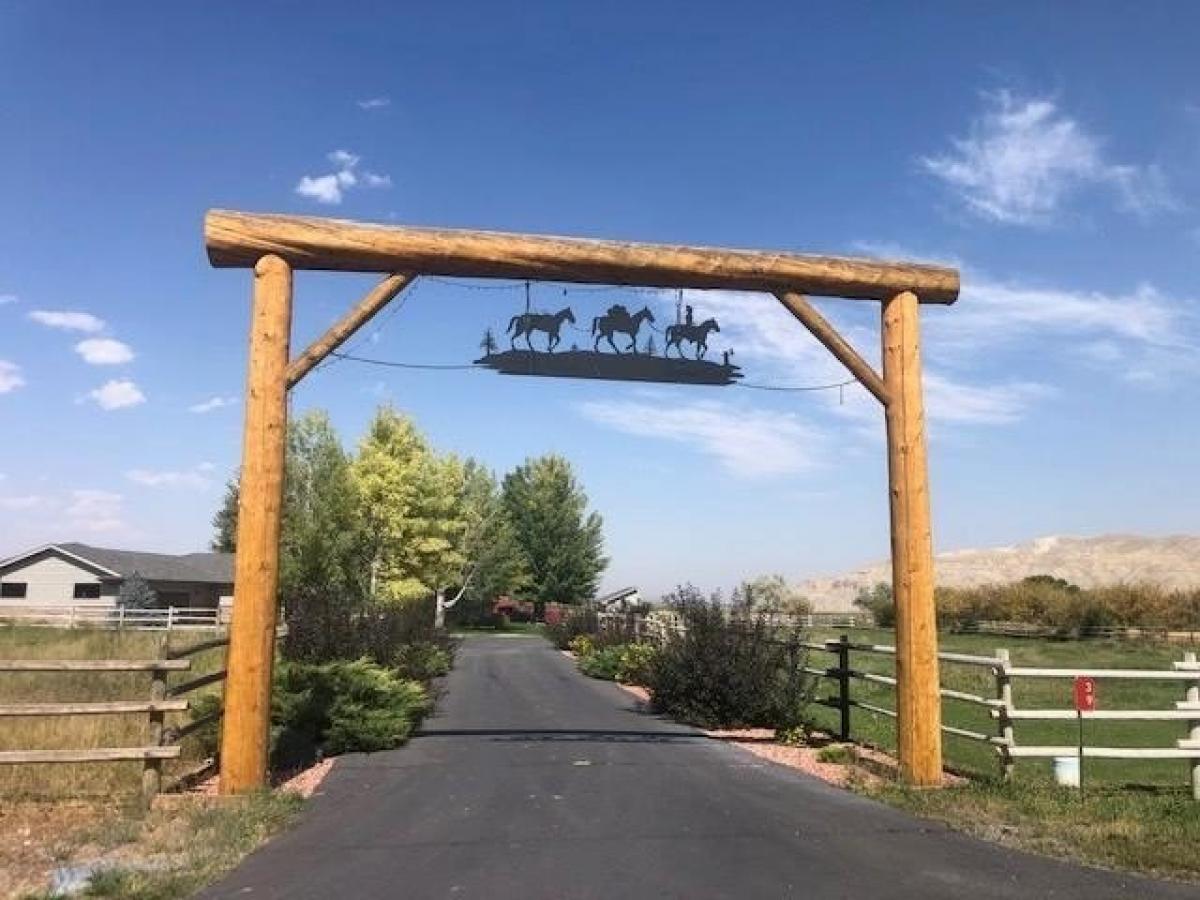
point(423, 661)
point(323, 628)
point(1055, 603)
point(341, 707)
point(573, 623)
point(208, 736)
point(636, 663)
point(603, 663)
point(582, 645)
point(725, 672)
point(878, 602)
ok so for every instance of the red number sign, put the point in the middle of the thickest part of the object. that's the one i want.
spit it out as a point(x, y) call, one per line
point(1085, 694)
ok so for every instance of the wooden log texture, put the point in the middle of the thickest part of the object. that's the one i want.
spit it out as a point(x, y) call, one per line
point(94, 665)
point(918, 703)
point(256, 567)
point(100, 708)
point(820, 328)
point(106, 754)
point(236, 239)
point(341, 331)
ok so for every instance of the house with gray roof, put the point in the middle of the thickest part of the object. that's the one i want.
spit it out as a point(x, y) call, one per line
point(73, 574)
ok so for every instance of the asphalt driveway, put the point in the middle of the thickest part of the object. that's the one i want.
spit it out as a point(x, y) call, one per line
point(535, 782)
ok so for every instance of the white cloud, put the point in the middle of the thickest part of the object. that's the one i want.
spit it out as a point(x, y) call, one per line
point(951, 401)
point(331, 188)
point(27, 502)
point(96, 511)
point(68, 320)
point(117, 394)
point(104, 351)
point(748, 442)
point(6, 299)
point(1023, 158)
point(207, 406)
point(10, 376)
point(374, 103)
point(196, 477)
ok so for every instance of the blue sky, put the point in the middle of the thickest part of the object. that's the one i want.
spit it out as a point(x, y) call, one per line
point(1050, 152)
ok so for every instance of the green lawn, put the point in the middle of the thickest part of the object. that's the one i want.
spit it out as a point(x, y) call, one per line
point(979, 759)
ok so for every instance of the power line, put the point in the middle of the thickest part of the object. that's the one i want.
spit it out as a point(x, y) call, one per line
point(396, 364)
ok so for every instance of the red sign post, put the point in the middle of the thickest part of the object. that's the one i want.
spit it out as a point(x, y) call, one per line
point(1085, 694)
point(1085, 701)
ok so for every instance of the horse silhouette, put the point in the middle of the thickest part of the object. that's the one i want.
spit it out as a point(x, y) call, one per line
point(618, 319)
point(527, 323)
point(695, 334)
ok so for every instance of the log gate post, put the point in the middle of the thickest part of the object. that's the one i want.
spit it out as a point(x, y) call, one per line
point(244, 734)
point(918, 697)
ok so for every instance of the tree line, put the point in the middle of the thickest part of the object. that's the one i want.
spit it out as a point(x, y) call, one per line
point(397, 522)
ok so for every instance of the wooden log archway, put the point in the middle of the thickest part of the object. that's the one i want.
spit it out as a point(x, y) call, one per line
point(274, 246)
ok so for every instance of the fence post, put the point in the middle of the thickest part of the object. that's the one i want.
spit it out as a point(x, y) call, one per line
point(1004, 695)
point(843, 675)
point(152, 768)
point(1193, 698)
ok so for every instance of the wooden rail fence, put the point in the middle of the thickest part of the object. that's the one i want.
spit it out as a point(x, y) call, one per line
point(171, 618)
point(1001, 706)
point(161, 743)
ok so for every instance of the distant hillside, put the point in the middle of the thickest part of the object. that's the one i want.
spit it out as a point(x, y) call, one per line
point(1089, 562)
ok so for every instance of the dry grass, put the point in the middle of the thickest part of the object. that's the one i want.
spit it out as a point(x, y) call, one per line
point(61, 732)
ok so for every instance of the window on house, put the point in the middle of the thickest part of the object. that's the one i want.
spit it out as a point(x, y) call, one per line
point(87, 590)
point(13, 590)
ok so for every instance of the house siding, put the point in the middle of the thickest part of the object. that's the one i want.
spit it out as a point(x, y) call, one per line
point(51, 580)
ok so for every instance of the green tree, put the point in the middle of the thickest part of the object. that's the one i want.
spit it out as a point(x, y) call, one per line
point(495, 561)
point(563, 543)
point(411, 508)
point(225, 521)
point(323, 544)
point(770, 594)
point(135, 593)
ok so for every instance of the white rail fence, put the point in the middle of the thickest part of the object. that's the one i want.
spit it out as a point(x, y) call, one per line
point(115, 617)
point(1002, 705)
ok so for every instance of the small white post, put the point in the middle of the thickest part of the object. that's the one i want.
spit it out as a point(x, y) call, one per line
point(1193, 697)
point(1004, 695)
point(170, 617)
point(120, 618)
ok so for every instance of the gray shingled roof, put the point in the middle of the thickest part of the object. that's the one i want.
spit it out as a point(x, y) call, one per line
point(214, 568)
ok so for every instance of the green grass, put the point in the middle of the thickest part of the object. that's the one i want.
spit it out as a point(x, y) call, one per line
point(1151, 832)
point(978, 759)
point(60, 732)
point(512, 628)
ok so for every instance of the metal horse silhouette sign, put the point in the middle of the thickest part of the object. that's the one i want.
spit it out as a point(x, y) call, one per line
point(617, 330)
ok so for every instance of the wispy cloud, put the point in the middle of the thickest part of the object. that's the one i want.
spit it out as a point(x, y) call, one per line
point(6, 299)
point(748, 442)
point(207, 406)
point(104, 351)
point(21, 503)
point(1023, 158)
point(197, 477)
point(331, 187)
point(374, 103)
point(68, 320)
point(117, 394)
point(96, 511)
point(10, 376)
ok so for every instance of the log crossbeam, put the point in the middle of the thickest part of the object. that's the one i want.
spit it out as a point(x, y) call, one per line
point(842, 350)
point(342, 330)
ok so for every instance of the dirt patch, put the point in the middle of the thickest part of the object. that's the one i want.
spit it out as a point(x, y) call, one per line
point(300, 781)
point(36, 837)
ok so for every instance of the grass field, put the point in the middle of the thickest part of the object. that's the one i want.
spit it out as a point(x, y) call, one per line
point(979, 759)
point(55, 732)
